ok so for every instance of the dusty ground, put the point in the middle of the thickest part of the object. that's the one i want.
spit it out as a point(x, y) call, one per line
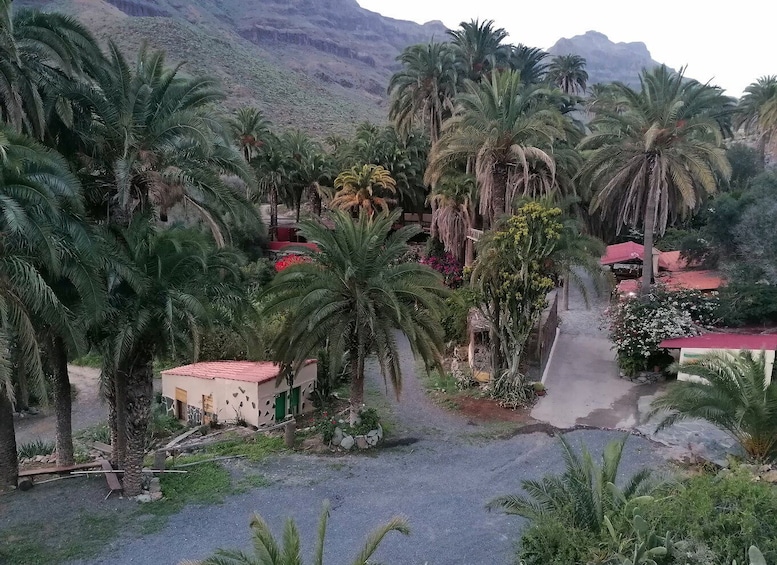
point(88, 409)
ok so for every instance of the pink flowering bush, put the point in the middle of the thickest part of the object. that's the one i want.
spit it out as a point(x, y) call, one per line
point(637, 325)
point(447, 265)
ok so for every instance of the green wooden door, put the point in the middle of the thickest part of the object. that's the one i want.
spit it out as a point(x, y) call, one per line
point(280, 407)
point(294, 401)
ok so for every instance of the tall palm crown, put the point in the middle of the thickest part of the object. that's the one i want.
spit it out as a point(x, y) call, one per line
point(39, 52)
point(655, 158)
point(757, 109)
point(250, 130)
point(355, 295)
point(453, 213)
point(568, 73)
point(731, 393)
point(307, 166)
point(502, 126)
point(529, 62)
point(423, 91)
point(155, 142)
point(361, 189)
point(479, 48)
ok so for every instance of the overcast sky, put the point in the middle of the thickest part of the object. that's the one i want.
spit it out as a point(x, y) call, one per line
point(732, 44)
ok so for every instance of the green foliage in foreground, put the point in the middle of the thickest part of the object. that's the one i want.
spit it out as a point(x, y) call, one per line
point(36, 447)
point(707, 519)
point(269, 551)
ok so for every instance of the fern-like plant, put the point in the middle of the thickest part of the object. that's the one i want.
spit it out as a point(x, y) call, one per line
point(584, 494)
point(733, 394)
point(269, 551)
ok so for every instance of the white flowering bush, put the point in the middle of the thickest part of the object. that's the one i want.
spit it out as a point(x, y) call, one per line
point(637, 325)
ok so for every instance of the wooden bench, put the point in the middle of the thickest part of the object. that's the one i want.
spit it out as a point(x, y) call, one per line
point(111, 478)
point(26, 481)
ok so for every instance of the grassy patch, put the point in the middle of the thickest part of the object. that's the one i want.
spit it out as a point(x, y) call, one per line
point(434, 381)
point(98, 432)
point(252, 481)
point(91, 359)
point(254, 448)
point(47, 542)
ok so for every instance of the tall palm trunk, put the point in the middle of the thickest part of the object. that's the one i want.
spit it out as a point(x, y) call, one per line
point(140, 379)
point(650, 223)
point(117, 417)
point(494, 337)
point(22, 390)
point(315, 199)
point(565, 290)
point(499, 195)
point(357, 379)
point(9, 462)
point(273, 211)
point(63, 402)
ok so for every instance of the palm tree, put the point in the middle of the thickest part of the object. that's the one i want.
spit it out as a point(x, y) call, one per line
point(732, 393)
point(268, 551)
point(422, 91)
point(529, 62)
point(35, 188)
point(39, 52)
point(501, 126)
point(270, 166)
point(584, 495)
point(250, 130)
point(155, 141)
point(568, 73)
point(479, 48)
point(354, 296)
point(756, 112)
point(306, 167)
point(453, 214)
point(361, 188)
point(656, 159)
point(168, 286)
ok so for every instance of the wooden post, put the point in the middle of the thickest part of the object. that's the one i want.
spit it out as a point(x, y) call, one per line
point(290, 435)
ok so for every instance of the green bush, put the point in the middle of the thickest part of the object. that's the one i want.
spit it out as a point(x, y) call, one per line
point(744, 303)
point(549, 542)
point(726, 512)
point(454, 319)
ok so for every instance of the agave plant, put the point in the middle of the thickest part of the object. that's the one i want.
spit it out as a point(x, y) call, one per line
point(268, 551)
point(733, 394)
point(585, 494)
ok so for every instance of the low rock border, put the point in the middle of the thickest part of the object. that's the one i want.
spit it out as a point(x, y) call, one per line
point(348, 442)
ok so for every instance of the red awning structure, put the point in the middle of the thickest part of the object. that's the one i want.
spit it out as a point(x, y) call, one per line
point(753, 342)
point(692, 280)
point(289, 245)
point(623, 253)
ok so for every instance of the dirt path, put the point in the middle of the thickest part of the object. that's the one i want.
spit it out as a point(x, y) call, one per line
point(89, 409)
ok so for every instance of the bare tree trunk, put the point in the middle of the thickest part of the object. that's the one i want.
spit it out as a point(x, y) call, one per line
point(9, 462)
point(22, 390)
point(565, 290)
point(63, 402)
point(496, 346)
point(140, 392)
point(650, 224)
point(315, 199)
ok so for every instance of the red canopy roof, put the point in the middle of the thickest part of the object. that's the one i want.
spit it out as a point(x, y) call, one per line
point(693, 280)
point(754, 342)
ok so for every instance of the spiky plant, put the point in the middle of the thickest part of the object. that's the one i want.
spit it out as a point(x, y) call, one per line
point(584, 494)
point(268, 550)
point(368, 188)
point(733, 394)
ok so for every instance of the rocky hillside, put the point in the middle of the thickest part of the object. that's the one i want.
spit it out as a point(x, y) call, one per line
point(320, 65)
point(607, 61)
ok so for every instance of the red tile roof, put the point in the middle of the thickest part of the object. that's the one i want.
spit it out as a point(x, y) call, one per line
point(248, 371)
point(673, 261)
point(622, 252)
point(289, 246)
point(754, 342)
point(692, 280)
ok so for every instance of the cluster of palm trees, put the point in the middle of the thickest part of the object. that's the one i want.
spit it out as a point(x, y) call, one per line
point(97, 155)
point(508, 122)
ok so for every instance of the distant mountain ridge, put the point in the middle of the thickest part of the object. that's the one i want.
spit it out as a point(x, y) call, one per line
point(318, 65)
point(607, 61)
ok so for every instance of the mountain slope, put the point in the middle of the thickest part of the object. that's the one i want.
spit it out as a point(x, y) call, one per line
point(319, 65)
point(607, 61)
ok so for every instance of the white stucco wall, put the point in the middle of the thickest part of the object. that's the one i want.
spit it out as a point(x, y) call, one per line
point(689, 355)
point(253, 402)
